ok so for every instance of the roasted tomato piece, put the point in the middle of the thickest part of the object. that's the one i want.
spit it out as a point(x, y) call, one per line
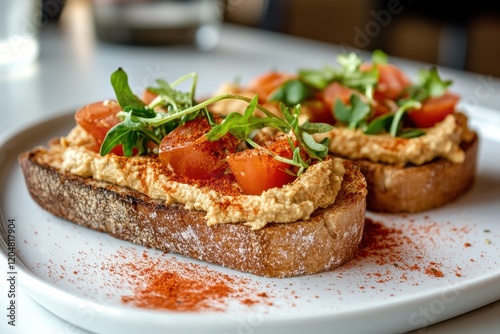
point(267, 83)
point(434, 110)
point(188, 152)
point(97, 119)
point(256, 171)
point(392, 81)
point(335, 91)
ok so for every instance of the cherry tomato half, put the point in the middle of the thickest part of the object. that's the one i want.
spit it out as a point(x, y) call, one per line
point(335, 91)
point(256, 171)
point(392, 81)
point(97, 119)
point(190, 154)
point(434, 110)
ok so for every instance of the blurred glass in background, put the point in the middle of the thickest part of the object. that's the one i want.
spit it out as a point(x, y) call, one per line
point(19, 25)
point(159, 22)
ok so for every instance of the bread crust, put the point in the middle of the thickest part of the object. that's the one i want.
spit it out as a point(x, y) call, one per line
point(397, 189)
point(325, 241)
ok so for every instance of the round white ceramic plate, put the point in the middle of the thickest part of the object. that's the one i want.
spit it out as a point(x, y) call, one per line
point(81, 275)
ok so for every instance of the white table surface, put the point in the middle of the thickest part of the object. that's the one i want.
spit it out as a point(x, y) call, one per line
point(73, 69)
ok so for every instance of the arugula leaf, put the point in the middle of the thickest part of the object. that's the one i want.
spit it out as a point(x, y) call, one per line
point(141, 123)
point(317, 79)
point(391, 123)
point(349, 74)
point(239, 125)
point(127, 133)
point(379, 57)
point(124, 95)
point(432, 82)
point(291, 92)
point(320, 149)
point(353, 114)
point(429, 85)
point(380, 124)
point(172, 99)
point(314, 149)
point(313, 128)
point(412, 133)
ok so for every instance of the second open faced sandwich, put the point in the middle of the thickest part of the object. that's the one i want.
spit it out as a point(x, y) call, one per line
point(412, 143)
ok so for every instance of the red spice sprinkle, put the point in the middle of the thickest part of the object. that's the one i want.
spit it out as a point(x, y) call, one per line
point(171, 291)
point(467, 244)
point(397, 247)
point(434, 272)
point(169, 284)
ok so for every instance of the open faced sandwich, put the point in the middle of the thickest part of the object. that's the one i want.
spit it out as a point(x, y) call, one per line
point(254, 193)
point(412, 144)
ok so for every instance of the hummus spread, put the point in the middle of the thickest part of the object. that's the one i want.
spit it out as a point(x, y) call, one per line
point(317, 187)
point(440, 141)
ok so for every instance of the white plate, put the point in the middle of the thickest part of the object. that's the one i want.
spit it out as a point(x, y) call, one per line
point(67, 268)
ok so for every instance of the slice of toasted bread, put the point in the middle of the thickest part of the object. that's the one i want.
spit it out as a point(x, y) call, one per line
point(328, 239)
point(396, 189)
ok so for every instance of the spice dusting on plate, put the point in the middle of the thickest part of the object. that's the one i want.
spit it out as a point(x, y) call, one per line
point(398, 249)
point(164, 282)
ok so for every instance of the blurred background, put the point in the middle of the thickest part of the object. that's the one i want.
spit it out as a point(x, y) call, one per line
point(465, 37)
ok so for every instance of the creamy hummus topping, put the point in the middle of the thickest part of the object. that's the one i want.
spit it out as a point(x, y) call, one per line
point(316, 187)
point(440, 141)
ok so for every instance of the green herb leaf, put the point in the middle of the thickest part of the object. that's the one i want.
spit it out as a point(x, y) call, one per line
point(355, 113)
point(127, 134)
point(432, 82)
point(380, 124)
point(412, 133)
point(291, 92)
point(398, 116)
point(140, 123)
point(379, 57)
point(429, 85)
point(351, 75)
point(312, 128)
point(124, 95)
point(239, 125)
point(317, 79)
point(320, 149)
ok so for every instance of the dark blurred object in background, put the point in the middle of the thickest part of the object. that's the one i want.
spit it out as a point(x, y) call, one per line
point(464, 37)
point(158, 22)
point(52, 10)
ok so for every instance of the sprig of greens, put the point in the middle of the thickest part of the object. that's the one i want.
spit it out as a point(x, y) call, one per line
point(296, 91)
point(140, 122)
point(429, 84)
point(358, 113)
point(354, 114)
point(242, 125)
point(349, 73)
